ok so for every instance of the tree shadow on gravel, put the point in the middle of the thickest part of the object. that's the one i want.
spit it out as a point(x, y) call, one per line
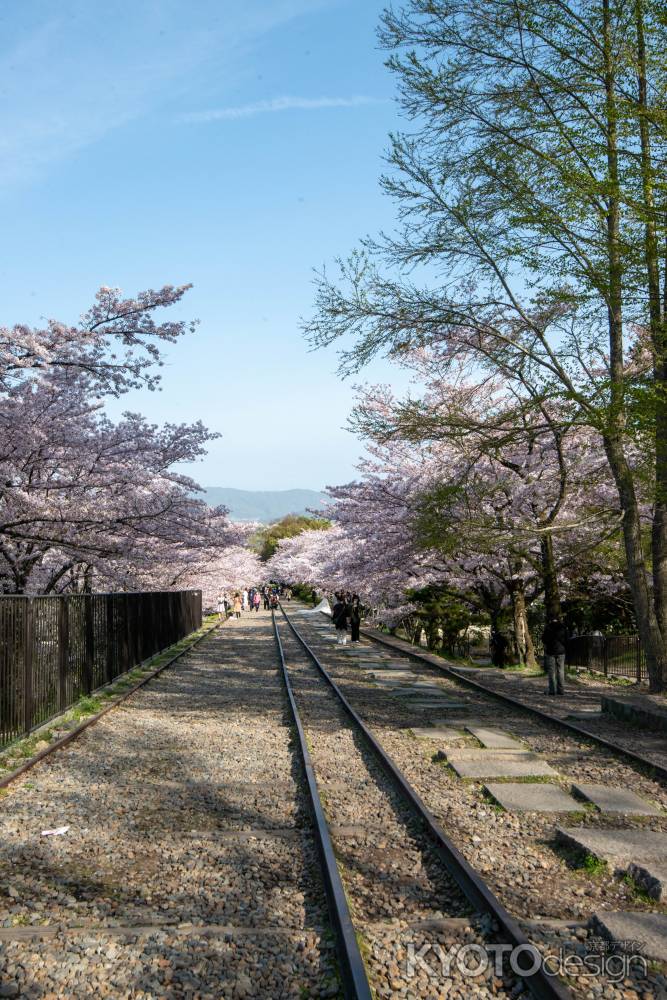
point(153, 788)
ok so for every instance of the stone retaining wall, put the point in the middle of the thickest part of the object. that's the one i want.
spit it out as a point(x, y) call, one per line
point(644, 710)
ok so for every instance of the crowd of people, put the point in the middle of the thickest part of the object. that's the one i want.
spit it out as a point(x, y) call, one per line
point(346, 612)
point(251, 598)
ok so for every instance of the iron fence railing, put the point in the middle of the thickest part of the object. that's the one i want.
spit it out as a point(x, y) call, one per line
point(611, 655)
point(55, 649)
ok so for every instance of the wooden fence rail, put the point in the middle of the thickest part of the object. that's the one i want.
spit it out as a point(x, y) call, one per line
point(55, 649)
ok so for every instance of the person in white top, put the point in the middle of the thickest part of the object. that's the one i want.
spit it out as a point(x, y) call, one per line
point(245, 600)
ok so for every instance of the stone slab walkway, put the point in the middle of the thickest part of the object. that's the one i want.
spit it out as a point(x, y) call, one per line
point(580, 699)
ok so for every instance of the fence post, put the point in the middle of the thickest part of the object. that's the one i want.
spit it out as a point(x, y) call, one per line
point(63, 651)
point(109, 604)
point(89, 654)
point(28, 656)
point(639, 660)
point(605, 657)
point(127, 634)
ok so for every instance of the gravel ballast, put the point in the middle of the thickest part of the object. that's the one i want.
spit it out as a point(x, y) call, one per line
point(188, 868)
point(517, 854)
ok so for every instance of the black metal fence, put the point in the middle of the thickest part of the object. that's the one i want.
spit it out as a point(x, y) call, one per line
point(55, 649)
point(611, 655)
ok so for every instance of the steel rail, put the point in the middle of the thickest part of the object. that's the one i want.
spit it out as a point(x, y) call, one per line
point(91, 720)
point(353, 972)
point(631, 755)
point(527, 956)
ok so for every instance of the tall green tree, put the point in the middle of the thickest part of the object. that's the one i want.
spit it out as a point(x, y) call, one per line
point(531, 190)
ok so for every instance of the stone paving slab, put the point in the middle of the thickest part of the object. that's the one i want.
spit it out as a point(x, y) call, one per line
point(370, 654)
point(478, 753)
point(451, 720)
point(385, 679)
point(391, 676)
point(435, 732)
point(651, 876)
point(432, 703)
point(618, 847)
point(531, 797)
point(495, 739)
point(389, 668)
point(392, 665)
point(501, 766)
point(410, 691)
point(615, 800)
point(445, 704)
point(649, 929)
point(422, 686)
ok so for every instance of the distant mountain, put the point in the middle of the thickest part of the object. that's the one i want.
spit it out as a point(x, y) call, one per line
point(263, 505)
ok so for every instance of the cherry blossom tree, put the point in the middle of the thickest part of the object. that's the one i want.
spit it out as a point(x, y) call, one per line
point(86, 503)
point(116, 342)
point(457, 494)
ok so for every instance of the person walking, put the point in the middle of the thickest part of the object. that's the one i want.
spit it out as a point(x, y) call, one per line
point(554, 639)
point(267, 602)
point(499, 645)
point(238, 604)
point(244, 600)
point(222, 610)
point(339, 616)
point(256, 600)
point(355, 618)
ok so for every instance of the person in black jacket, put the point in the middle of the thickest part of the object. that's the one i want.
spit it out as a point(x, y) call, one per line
point(355, 618)
point(554, 638)
point(339, 615)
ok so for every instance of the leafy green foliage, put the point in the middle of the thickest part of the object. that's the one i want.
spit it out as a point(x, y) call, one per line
point(441, 614)
point(266, 540)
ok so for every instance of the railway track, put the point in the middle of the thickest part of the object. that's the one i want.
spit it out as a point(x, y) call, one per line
point(532, 871)
point(384, 835)
point(272, 798)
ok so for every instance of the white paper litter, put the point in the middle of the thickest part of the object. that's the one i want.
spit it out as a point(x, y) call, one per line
point(58, 832)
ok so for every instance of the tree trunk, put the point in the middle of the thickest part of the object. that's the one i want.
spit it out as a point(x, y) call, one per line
point(647, 622)
point(658, 332)
point(648, 627)
point(550, 577)
point(523, 638)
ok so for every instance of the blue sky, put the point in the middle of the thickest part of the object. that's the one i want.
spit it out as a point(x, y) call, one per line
point(234, 146)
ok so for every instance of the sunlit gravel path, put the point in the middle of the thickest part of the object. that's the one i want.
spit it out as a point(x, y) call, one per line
point(188, 869)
